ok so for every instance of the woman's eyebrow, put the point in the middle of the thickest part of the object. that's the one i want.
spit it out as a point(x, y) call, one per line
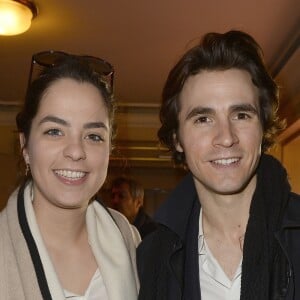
point(54, 119)
point(95, 125)
point(63, 122)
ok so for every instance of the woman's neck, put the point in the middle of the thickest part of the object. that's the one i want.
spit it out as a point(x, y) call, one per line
point(57, 225)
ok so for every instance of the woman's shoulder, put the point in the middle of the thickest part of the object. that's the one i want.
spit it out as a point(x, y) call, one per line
point(9, 211)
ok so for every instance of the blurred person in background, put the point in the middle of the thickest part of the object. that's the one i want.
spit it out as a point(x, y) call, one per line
point(127, 197)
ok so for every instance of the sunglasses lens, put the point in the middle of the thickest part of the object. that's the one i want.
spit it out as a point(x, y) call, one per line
point(51, 58)
point(48, 58)
point(99, 65)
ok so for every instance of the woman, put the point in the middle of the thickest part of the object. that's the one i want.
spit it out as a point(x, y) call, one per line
point(55, 242)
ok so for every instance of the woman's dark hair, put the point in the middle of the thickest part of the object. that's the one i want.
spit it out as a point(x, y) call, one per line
point(234, 49)
point(73, 67)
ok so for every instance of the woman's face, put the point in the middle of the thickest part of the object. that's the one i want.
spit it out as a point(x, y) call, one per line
point(69, 144)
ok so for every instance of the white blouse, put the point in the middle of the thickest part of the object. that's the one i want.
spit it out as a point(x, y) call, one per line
point(95, 291)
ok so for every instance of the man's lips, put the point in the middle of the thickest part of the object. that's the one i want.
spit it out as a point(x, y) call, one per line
point(225, 161)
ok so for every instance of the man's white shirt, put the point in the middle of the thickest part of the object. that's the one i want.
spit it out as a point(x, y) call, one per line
point(214, 283)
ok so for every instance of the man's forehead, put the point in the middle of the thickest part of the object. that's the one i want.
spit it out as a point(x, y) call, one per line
point(121, 187)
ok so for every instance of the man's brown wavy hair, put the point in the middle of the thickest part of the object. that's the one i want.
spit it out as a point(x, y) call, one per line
point(220, 52)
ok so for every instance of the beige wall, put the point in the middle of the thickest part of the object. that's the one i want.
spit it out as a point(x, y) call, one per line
point(8, 161)
point(291, 160)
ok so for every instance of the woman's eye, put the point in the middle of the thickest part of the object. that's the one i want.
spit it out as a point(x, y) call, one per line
point(95, 138)
point(54, 132)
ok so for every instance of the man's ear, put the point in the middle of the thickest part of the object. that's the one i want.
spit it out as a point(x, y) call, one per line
point(23, 148)
point(138, 203)
point(177, 143)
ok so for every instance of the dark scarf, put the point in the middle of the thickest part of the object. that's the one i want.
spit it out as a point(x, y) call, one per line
point(263, 268)
point(264, 265)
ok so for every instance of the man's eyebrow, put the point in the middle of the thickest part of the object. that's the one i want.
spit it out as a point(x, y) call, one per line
point(244, 107)
point(199, 111)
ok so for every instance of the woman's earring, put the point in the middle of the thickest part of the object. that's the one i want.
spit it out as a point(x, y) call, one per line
point(27, 169)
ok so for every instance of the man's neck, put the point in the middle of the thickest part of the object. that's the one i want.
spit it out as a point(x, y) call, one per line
point(224, 221)
point(226, 215)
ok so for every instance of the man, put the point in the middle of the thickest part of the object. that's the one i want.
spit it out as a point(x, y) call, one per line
point(231, 229)
point(127, 196)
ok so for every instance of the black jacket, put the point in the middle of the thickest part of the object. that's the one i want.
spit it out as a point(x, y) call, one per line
point(164, 271)
point(144, 223)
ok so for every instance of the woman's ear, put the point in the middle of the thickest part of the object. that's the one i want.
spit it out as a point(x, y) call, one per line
point(177, 143)
point(23, 148)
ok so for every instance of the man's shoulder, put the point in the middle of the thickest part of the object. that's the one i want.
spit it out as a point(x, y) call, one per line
point(153, 261)
point(178, 204)
point(145, 224)
point(293, 209)
point(294, 202)
point(295, 197)
point(161, 238)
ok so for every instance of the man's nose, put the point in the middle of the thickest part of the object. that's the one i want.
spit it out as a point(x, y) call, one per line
point(226, 135)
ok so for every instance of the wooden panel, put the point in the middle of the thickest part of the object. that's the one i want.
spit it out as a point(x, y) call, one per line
point(291, 160)
point(288, 152)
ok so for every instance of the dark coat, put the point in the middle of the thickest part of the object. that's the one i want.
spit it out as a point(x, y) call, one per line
point(144, 223)
point(162, 266)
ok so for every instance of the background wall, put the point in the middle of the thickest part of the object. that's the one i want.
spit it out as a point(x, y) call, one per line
point(8, 162)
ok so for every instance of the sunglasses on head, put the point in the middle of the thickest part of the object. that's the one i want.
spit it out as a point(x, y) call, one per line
point(51, 58)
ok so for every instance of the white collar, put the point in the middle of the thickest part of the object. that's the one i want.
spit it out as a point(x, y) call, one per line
point(107, 244)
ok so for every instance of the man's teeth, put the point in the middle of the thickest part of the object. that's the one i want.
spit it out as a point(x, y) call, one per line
point(225, 162)
point(70, 174)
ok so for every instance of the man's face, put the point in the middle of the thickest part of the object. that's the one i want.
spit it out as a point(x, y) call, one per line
point(122, 200)
point(220, 130)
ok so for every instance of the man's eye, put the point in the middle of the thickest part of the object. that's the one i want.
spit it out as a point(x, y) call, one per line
point(95, 138)
point(202, 119)
point(243, 116)
point(54, 132)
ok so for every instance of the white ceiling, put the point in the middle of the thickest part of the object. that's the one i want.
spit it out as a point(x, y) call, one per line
point(143, 39)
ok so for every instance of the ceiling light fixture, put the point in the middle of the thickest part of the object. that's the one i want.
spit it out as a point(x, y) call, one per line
point(16, 16)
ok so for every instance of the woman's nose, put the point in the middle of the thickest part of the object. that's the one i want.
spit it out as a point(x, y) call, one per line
point(75, 150)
